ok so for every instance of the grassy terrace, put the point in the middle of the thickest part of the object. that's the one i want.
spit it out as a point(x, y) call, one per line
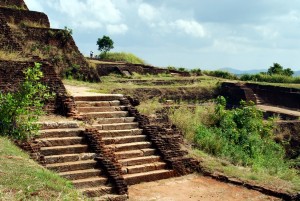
point(23, 179)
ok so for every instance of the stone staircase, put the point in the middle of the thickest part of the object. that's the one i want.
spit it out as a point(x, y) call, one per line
point(64, 149)
point(134, 152)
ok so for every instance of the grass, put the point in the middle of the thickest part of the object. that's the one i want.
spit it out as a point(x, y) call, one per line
point(122, 57)
point(23, 179)
point(11, 56)
point(289, 183)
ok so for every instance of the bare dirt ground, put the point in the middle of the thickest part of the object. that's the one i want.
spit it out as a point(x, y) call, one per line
point(279, 110)
point(193, 188)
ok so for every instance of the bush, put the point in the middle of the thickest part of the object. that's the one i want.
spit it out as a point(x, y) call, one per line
point(122, 57)
point(222, 74)
point(20, 110)
point(275, 78)
point(241, 136)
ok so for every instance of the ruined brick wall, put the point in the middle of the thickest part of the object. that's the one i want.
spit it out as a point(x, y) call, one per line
point(61, 52)
point(274, 95)
point(20, 4)
point(15, 16)
point(11, 76)
point(233, 93)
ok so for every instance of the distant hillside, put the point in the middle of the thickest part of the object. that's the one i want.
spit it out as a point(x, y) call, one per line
point(240, 72)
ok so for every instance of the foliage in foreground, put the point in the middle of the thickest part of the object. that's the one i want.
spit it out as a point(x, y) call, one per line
point(122, 57)
point(240, 136)
point(20, 110)
point(23, 179)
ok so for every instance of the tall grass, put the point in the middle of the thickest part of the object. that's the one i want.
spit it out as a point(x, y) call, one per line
point(275, 78)
point(221, 74)
point(122, 57)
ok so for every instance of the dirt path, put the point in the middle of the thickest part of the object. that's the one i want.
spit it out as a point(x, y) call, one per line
point(279, 110)
point(193, 188)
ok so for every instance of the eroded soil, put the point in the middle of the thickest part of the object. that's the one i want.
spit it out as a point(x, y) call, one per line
point(193, 188)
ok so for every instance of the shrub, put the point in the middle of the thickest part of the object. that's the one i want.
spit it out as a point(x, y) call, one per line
point(241, 136)
point(20, 110)
point(222, 74)
point(275, 78)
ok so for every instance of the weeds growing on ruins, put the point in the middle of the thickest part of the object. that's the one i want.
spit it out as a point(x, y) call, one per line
point(20, 110)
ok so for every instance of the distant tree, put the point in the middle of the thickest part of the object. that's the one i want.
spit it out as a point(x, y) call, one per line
point(105, 44)
point(279, 70)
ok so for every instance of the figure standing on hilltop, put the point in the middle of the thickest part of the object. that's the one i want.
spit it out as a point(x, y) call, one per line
point(91, 54)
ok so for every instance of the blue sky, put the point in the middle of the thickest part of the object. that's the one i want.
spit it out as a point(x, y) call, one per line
point(193, 33)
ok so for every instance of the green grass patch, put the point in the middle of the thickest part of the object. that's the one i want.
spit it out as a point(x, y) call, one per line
point(275, 78)
point(122, 57)
point(23, 179)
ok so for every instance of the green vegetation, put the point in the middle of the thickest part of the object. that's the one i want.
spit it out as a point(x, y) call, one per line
point(221, 74)
point(20, 110)
point(23, 179)
point(275, 78)
point(121, 57)
point(239, 138)
point(277, 69)
point(105, 44)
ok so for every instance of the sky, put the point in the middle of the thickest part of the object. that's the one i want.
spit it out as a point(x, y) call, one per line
point(206, 34)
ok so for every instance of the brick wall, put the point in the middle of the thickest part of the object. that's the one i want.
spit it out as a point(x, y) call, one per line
point(15, 16)
point(13, 3)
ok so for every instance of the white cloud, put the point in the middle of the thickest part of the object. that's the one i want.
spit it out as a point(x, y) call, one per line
point(117, 29)
point(147, 12)
point(190, 27)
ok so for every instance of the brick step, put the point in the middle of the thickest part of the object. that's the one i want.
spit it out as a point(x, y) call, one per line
point(81, 174)
point(101, 109)
point(139, 160)
point(116, 126)
point(106, 97)
point(72, 166)
point(97, 103)
point(97, 191)
point(59, 150)
point(115, 114)
point(125, 139)
point(61, 141)
point(69, 158)
point(148, 176)
point(90, 182)
point(63, 132)
point(119, 133)
point(134, 153)
point(114, 120)
point(111, 197)
point(130, 146)
point(143, 168)
point(58, 125)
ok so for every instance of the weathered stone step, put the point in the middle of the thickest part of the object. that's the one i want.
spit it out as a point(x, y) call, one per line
point(90, 182)
point(97, 103)
point(139, 160)
point(58, 125)
point(101, 109)
point(59, 150)
point(143, 168)
point(72, 166)
point(115, 120)
point(64, 132)
point(134, 153)
point(106, 97)
point(81, 174)
point(148, 176)
point(97, 191)
point(69, 158)
point(111, 197)
point(124, 140)
point(115, 114)
point(61, 141)
point(116, 126)
point(130, 146)
point(119, 133)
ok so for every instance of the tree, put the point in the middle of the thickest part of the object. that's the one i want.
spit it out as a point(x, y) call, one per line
point(105, 44)
point(279, 70)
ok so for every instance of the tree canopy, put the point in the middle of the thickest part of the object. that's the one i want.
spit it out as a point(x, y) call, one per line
point(105, 44)
point(279, 70)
